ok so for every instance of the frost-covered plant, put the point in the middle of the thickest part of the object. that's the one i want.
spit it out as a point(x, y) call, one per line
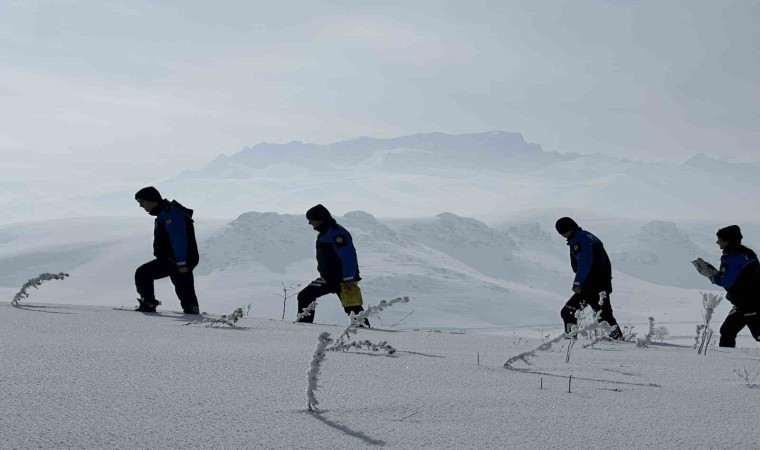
point(589, 328)
point(704, 332)
point(661, 333)
point(315, 368)
point(324, 340)
point(227, 319)
point(357, 320)
point(748, 375)
point(643, 343)
point(307, 311)
point(35, 282)
point(360, 345)
point(628, 333)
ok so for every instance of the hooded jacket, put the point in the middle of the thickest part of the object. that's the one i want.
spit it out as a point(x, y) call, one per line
point(739, 274)
point(589, 260)
point(336, 255)
point(174, 234)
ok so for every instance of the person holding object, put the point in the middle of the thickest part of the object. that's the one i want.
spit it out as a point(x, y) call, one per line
point(175, 249)
point(739, 275)
point(337, 265)
point(593, 276)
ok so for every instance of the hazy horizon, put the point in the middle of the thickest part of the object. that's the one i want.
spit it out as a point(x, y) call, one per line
point(129, 93)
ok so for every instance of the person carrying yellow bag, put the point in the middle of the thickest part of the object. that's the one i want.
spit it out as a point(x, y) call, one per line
point(337, 265)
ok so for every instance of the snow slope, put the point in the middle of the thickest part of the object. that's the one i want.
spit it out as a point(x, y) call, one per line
point(94, 378)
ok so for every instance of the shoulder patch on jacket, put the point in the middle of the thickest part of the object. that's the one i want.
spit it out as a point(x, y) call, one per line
point(576, 248)
point(340, 240)
point(168, 221)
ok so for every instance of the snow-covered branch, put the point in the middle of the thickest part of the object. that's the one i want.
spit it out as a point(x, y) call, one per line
point(588, 329)
point(642, 343)
point(315, 368)
point(307, 311)
point(227, 319)
point(360, 345)
point(357, 320)
point(324, 340)
point(704, 332)
point(35, 282)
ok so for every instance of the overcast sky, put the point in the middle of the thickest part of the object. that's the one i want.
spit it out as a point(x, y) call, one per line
point(149, 88)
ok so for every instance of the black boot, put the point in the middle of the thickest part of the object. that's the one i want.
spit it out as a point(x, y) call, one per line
point(147, 305)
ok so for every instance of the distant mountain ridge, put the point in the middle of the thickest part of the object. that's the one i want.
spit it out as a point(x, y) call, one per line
point(491, 174)
point(482, 149)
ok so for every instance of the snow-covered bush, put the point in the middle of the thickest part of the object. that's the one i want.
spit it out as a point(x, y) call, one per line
point(628, 333)
point(35, 282)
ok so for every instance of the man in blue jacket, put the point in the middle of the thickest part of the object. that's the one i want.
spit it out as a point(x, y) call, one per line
point(739, 274)
point(175, 249)
point(593, 275)
point(336, 263)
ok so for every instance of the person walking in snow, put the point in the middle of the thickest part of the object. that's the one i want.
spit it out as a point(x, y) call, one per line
point(175, 249)
point(739, 275)
point(337, 265)
point(593, 276)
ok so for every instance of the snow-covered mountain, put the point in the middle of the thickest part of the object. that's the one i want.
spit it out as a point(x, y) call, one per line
point(476, 175)
point(417, 152)
point(490, 175)
point(461, 272)
point(657, 254)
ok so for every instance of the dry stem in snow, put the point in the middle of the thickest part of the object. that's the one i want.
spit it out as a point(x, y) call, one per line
point(704, 332)
point(591, 327)
point(749, 376)
point(315, 367)
point(642, 343)
point(357, 320)
point(230, 319)
point(307, 311)
point(35, 282)
point(359, 345)
point(324, 340)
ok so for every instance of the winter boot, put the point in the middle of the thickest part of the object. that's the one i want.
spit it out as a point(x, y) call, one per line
point(191, 310)
point(616, 334)
point(147, 305)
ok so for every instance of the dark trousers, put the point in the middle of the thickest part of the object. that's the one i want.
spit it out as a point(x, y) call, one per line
point(579, 301)
point(316, 289)
point(735, 322)
point(184, 283)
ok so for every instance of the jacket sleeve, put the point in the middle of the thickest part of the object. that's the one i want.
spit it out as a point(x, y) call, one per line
point(177, 229)
point(585, 257)
point(730, 269)
point(344, 248)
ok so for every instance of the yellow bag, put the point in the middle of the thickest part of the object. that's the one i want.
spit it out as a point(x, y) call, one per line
point(350, 295)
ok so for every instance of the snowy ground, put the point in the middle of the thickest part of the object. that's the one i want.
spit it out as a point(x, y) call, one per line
point(91, 377)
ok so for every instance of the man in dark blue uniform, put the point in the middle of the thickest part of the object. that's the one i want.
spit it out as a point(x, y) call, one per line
point(739, 274)
point(336, 263)
point(593, 275)
point(175, 249)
